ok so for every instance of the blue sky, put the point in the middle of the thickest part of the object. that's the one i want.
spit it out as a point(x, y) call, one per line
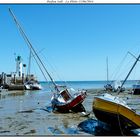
point(73, 40)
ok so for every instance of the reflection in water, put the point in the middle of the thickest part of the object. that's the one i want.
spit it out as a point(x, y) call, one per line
point(16, 101)
point(20, 105)
point(65, 123)
point(55, 131)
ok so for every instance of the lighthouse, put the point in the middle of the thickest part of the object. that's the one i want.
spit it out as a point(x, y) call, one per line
point(19, 66)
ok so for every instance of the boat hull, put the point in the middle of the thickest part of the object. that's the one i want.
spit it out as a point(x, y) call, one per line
point(32, 87)
point(136, 91)
point(116, 115)
point(75, 105)
point(36, 88)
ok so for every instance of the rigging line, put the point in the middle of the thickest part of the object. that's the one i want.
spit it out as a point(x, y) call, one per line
point(129, 72)
point(107, 69)
point(132, 55)
point(53, 67)
point(51, 73)
point(127, 65)
point(29, 63)
point(119, 67)
point(124, 71)
point(32, 53)
point(119, 120)
point(30, 57)
point(30, 45)
point(41, 70)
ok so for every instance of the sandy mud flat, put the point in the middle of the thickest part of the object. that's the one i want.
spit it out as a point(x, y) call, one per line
point(29, 113)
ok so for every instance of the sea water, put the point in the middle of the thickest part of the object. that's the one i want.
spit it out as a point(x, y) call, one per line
point(87, 84)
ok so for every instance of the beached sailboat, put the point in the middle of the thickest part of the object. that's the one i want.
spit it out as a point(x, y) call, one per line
point(136, 88)
point(112, 85)
point(30, 83)
point(114, 111)
point(116, 86)
point(66, 101)
point(108, 86)
point(62, 100)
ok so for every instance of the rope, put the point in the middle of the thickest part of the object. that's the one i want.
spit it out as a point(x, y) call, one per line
point(119, 67)
point(126, 67)
point(41, 71)
point(119, 121)
point(53, 67)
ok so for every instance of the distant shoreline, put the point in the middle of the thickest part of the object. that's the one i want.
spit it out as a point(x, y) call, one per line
point(90, 81)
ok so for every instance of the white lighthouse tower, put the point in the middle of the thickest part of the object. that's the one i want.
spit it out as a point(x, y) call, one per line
point(19, 66)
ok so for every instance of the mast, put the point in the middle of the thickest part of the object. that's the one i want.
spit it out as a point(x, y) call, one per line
point(137, 59)
point(32, 48)
point(29, 64)
point(107, 68)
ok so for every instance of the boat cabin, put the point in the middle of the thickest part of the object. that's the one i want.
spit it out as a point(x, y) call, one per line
point(65, 94)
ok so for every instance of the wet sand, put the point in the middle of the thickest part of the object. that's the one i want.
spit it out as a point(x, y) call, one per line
point(28, 113)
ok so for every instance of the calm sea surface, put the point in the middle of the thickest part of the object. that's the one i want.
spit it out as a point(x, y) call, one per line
point(88, 84)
